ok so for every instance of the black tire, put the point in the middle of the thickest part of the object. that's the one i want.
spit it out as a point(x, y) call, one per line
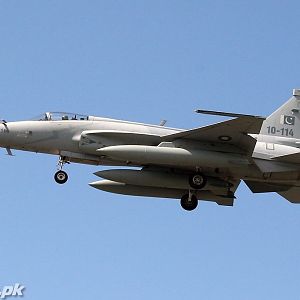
point(197, 181)
point(189, 204)
point(61, 177)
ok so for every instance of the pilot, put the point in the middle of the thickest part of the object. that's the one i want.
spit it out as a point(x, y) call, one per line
point(47, 116)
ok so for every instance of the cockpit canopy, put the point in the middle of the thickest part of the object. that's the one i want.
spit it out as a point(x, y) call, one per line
point(61, 116)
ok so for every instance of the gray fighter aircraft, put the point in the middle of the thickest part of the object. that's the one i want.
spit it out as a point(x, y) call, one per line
point(205, 163)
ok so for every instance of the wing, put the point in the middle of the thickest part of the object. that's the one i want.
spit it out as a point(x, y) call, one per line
point(233, 132)
point(266, 187)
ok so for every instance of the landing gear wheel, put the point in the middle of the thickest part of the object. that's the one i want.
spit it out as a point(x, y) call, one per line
point(197, 181)
point(61, 177)
point(189, 202)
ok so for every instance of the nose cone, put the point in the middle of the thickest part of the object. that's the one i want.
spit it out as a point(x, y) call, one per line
point(4, 135)
point(11, 134)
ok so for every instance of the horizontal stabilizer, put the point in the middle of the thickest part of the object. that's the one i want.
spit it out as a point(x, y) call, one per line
point(274, 166)
point(265, 187)
point(289, 158)
point(292, 195)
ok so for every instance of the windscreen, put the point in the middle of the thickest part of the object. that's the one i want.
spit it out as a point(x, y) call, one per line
point(61, 116)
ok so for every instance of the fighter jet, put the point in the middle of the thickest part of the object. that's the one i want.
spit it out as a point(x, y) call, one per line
point(206, 163)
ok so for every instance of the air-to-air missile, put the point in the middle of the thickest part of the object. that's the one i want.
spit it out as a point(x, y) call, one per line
point(160, 179)
point(135, 190)
point(157, 184)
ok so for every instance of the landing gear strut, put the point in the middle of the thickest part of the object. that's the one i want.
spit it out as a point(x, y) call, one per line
point(61, 176)
point(189, 201)
point(230, 194)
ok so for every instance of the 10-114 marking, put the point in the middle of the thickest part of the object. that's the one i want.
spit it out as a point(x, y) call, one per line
point(282, 131)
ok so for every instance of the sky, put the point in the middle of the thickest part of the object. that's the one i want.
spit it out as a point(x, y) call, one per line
point(143, 61)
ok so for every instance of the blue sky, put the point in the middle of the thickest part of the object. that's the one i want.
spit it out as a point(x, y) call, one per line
point(143, 61)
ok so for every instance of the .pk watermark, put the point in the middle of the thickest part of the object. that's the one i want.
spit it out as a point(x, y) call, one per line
point(12, 290)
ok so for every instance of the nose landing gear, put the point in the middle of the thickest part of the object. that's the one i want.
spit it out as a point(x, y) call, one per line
point(61, 176)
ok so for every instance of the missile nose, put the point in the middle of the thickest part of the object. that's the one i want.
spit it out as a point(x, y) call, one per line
point(105, 150)
point(104, 173)
point(94, 184)
point(97, 184)
point(107, 185)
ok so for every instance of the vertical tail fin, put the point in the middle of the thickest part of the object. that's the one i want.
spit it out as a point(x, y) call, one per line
point(285, 121)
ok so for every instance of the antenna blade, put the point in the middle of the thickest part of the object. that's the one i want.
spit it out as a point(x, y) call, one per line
point(223, 114)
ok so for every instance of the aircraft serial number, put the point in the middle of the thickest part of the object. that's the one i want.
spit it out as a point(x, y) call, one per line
point(281, 131)
point(4, 130)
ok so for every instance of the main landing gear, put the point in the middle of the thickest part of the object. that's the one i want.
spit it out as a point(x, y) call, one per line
point(61, 176)
point(189, 201)
point(197, 181)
